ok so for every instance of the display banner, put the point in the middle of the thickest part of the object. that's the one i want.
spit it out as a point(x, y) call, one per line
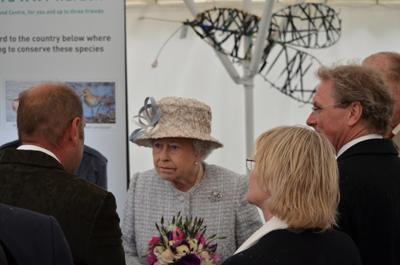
point(81, 42)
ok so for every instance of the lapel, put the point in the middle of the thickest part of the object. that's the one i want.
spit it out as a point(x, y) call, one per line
point(33, 158)
point(273, 224)
point(370, 147)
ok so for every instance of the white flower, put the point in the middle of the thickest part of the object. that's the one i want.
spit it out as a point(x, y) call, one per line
point(206, 258)
point(207, 262)
point(158, 251)
point(193, 245)
point(166, 257)
point(182, 250)
point(204, 255)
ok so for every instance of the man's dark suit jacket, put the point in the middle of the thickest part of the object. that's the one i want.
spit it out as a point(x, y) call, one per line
point(93, 167)
point(370, 200)
point(86, 213)
point(32, 238)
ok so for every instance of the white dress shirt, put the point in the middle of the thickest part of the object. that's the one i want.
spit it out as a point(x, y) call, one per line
point(356, 141)
point(37, 148)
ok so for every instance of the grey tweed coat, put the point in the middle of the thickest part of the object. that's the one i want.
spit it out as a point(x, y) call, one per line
point(220, 199)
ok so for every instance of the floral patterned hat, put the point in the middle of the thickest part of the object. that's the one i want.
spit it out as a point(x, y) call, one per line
point(173, 117)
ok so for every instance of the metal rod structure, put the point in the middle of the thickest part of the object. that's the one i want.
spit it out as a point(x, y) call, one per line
point(249, 117)
point(248, 91)
point(261, 36)
point(222, 57)
point(192, 7)
point(283, 23)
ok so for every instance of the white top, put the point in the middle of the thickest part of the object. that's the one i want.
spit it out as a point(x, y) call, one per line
point(396, 129)
point(273, 224)
point(37, 148)
point(358, 140)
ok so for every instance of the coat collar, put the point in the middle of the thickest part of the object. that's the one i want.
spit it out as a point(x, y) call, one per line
point(372, 146)
point(273, 224)
point(34, 158)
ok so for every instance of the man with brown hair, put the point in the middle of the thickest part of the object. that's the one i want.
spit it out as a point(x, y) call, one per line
point(39, 175)
point(388, 63)
point(353, 107)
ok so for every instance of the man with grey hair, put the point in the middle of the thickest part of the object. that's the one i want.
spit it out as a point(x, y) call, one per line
point(388, 63)
point(353, 107)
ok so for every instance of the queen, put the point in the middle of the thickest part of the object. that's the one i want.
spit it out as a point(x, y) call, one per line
point(181, 181)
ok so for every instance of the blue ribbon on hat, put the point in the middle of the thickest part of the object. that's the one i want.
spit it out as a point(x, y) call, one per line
point(151, 125)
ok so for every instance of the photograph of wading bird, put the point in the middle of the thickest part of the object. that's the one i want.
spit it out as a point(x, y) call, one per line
point(91, 100)
point(98, 99)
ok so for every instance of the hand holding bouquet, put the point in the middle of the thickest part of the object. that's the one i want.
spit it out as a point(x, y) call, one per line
point(182, 243)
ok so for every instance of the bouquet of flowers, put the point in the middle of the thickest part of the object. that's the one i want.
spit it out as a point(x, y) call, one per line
point(182, 243)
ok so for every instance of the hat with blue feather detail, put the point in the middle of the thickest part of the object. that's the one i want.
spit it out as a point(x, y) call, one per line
point(173, 117)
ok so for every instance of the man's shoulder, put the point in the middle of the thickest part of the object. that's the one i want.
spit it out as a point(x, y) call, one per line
point(83, 186)
point(89, 151)
point(33, 236)
point(366, 163)
point(10, 145)
point(370, 148)
point(41, 168)
point(17, 215)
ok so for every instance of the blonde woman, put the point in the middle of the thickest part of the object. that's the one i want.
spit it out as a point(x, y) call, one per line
point(294, 181)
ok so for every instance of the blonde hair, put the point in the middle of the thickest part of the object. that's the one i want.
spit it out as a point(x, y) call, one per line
point(298, 169)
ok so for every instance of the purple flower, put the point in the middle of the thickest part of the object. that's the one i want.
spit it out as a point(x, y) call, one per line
point(169, 235)
point(191, 259)
point(184, 242)
point(213, 248)
point(162, 240)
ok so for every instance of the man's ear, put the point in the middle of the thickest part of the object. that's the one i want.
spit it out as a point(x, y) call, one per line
point(355, 113)
point(74, 131)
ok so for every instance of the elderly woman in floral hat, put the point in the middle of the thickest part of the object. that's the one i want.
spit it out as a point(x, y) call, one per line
point(178, 131)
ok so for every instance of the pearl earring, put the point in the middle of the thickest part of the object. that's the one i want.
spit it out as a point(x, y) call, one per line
point(196, 163)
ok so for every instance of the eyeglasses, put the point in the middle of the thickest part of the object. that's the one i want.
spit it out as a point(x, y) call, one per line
point(250, 164)
point(314, 110)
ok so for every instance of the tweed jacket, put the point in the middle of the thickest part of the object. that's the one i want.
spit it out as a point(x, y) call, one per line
point(86, 213)
point(369, 205)
point(220, 198)
point(307, 247)
point(93, 167)
point(33, 238)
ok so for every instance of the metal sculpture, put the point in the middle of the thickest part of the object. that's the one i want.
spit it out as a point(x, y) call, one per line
point(283, 65)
